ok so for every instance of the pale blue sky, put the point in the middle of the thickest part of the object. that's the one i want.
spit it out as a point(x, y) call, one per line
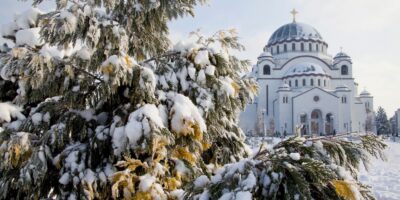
point(368, 30)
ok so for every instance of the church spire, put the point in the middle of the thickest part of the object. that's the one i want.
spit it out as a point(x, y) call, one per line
point(294, 13)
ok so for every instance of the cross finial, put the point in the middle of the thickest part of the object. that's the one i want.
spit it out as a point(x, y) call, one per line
point(294, 13)
point(341, 49)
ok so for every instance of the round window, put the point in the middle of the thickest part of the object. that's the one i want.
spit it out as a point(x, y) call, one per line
point(316, 98)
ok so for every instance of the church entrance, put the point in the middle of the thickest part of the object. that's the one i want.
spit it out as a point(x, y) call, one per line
point(316, 122)
point(329, 124)
point(303, 124)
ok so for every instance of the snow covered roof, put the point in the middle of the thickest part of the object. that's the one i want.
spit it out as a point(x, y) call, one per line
point(342, 88)
point(284, 87)
point(341, 55)
point(265, 55)
point(305, 68)
point(294, 30)
point(365, 93)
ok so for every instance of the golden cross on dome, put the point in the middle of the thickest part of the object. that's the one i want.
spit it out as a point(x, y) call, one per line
point(294, 13)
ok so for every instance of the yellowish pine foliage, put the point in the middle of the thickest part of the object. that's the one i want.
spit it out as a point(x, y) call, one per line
point(123, 180)
point(236, 87)
point(131, 164)
point(88, 188)
point(107, 69)
point(188, 128)
point(344, 190)
point(253, 88)
point(70, 71)
point(184, 153)
point(198, 134)
point(18, 154)
point(15, 154)
point(172, 183)
point(159, 150)
point(142, 196)
point(128, 61)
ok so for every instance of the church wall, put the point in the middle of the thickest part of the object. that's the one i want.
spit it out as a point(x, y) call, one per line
point(348, 116)
point(345, 110)
point(359, 117)
point(304, 104)
point(273, 85)
point(284, 122)
point(248, 119)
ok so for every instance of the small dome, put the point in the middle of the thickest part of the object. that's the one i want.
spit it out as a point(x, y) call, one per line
point(305, 69)
point(341, 55)
point(294, 31)
point(342, 88)
point(284, 87)
point(365, 93)
point(265, 55)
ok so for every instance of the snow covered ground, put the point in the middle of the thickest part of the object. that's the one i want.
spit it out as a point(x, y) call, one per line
point(384, 176)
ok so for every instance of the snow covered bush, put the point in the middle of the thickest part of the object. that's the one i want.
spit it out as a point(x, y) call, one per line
point(322, 168)
point(94, 106)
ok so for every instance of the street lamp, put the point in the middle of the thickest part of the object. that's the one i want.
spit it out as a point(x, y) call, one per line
point(263, 111)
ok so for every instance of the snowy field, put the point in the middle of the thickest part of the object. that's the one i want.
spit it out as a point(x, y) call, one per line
point(383, 176)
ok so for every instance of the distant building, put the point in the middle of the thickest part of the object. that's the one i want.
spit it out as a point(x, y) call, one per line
point(396, 123)
point(302, 89)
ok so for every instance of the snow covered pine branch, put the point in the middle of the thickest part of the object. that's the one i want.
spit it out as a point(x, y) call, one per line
point(297, 168)
point(85, 116)
point(93, 105)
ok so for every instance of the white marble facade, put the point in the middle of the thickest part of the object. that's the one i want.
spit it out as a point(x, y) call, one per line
point(302, 89)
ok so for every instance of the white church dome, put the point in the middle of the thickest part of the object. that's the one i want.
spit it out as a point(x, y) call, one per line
point(265, 55)
point(342, 88)
point(365, 93)
point(341, 55)
point(295, 31)
point(284, 87)
point(305, 69)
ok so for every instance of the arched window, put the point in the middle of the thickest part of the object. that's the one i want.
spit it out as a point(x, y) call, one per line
point(345, 70)
point(285, 99)
point(344, 99)
point(290, 83)
point(312, 82)
point(309, 47)
point(296, 83)
point(319, 82)
point(267, 70)
point(302, 46)
point(324, 83)
point(293, 47)
point(317, 47)
point(285, 47)
point(304, 82)
point(277, 49)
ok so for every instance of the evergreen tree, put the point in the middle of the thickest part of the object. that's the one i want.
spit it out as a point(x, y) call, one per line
point(382, 122)
point(93, 105)
point(98, 108)
point(317, 168)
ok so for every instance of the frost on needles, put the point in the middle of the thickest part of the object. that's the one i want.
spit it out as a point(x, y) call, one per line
point(298, 168)
point(94, 104)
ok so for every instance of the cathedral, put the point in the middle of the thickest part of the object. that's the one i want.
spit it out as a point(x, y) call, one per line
point(303, 90)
